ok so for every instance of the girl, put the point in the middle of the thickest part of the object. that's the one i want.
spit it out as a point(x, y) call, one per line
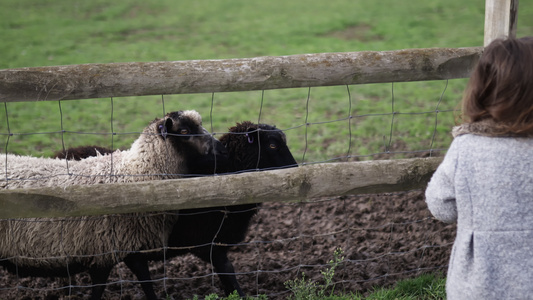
point(485, 182)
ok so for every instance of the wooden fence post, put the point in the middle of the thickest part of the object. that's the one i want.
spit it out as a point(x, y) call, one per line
point(500, 19)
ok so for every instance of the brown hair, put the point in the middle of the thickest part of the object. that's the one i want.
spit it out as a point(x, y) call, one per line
point(501, 86)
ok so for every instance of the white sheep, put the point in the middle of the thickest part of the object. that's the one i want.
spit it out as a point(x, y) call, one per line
point(65, 246)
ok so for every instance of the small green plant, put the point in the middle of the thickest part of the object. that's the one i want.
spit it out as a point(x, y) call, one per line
point(424, 287)
point(307, 289)
point(232, 296)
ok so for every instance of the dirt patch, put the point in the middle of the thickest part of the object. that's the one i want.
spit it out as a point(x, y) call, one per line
point(385, 238)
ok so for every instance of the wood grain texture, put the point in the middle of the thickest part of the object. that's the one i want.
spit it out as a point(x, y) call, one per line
point(500, 19)
point(288, 185)
point(260, 73)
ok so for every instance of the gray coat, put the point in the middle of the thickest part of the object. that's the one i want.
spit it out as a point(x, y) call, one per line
point(485, 184)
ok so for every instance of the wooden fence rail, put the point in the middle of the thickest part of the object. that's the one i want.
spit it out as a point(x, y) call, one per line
point(260, 73)
point(287, 185)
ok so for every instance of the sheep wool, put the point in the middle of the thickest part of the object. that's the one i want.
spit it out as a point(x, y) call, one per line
point(149, 158)
point(64, 246)
point(48, 246)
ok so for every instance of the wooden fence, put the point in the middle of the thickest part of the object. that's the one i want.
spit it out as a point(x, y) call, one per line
point(262, 73)
point(229, 75)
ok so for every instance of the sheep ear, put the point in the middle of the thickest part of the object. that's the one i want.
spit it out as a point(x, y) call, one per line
point(165, 128)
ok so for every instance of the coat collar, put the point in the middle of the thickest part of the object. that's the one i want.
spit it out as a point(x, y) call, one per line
point(486, 128)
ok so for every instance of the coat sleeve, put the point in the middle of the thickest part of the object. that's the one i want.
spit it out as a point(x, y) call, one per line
point(440, 192)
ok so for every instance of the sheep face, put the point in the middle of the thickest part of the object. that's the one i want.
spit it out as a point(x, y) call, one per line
point(184, 131)
point(185, 128)
point(257, 146)
point(201, 152)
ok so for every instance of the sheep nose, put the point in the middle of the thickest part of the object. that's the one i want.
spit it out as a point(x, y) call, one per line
point(220, 149)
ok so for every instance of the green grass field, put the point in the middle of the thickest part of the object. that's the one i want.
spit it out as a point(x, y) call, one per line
point(42, 33)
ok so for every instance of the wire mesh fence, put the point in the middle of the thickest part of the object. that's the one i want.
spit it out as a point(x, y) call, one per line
point(384, 237)
point(322, 123)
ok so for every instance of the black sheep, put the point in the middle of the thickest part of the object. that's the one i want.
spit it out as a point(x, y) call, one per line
point(79, 153)
point(209, 232)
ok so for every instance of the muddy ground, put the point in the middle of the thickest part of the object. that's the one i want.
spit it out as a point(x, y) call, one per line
point(384, 237)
